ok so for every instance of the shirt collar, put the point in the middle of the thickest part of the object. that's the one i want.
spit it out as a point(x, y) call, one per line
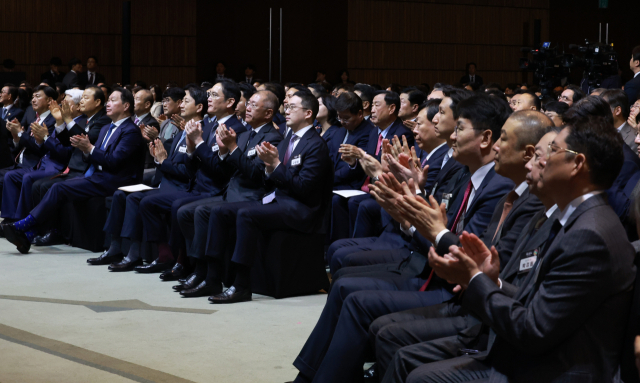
point(259, 127)
point(434, 150)
point(621, 126)
point(573, 205)
point(8, 107)
point(224, 119)
point(75, 118)
point(551, 210)
point(44, 115)
point(302, 131)
point(384, 132)
point(367, 117)
point(89, 72)
point(119, 122)
point(478, 176)
point(141, 117)
point(636, 75)
point(521, 188)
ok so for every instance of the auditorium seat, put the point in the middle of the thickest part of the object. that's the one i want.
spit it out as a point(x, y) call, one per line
point(82, 223)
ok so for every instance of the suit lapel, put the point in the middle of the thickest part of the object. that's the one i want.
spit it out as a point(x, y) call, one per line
point(478, 192)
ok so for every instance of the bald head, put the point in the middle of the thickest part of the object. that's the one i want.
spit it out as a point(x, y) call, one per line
point(531, 125)
point(143, 100)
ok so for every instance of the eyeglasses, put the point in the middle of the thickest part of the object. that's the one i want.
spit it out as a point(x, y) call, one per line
point(564, 98)
point(211, 94)
point(253, 105)
point(555, 149)
point(291, 108)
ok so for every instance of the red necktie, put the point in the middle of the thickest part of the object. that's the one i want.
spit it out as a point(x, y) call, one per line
point(365, 186)
point(463, 207)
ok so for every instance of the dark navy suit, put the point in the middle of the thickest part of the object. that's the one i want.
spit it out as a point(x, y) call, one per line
point(246, 172)
point(13, 112)
point(210, 181)
point(122, 162)
point(329, 137)
point(302, 198)
point(339, 328)
point(632, 89)
point(619, 194)
point(17, 206)
point(124, 219)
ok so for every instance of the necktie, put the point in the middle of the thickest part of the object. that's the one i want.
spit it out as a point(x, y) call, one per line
point(4, 113)
point(473, 78)
point(212, 136)
point(346, 137)
point(90, 78)
point(365, 186)
point(92, 168)
point(136, 121)
point(287, 155)
point(454, 227)
point(379, 144)
point(251, 137)
point(506, 209)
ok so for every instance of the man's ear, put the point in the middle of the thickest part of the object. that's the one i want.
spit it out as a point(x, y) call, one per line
point(529, 152)
point(366, 105)
point(486, 140)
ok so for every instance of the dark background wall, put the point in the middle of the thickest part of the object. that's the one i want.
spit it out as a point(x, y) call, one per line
point(379, 41)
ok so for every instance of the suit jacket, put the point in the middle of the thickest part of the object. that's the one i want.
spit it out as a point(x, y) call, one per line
point(245, 169)
point(84, 79)
point(28, 117)
point(632, 89)
point(444, 178)
point(32, 152)
point(466, 79)
point(304, 191)
point(168, 130)
point(629, 136)
point(57, 148)
point(329, 137)
point(566, 322)
point(620, 193)
point(346, 177)
point(92, 129)
point(6, 146)
point(435, 163)
point(279, 119)
point(396, 129)
point(205, 163)
point(14, 112)
point(503, 238)
point(148, 120)
point(173, 172)
point(122, 160)
point(48, 75)
point(71, 79)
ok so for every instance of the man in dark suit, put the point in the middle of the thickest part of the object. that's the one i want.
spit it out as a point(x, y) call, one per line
point(95, 117)
point(115, 161)
point(619, 105)
point(574, 304)
point(632, 87)
point(53, 75)
point(171, 100)
point(91, 76)
point(26, 152)
point(17, 199)
point(405, 340)
point(239, 158)
point(8, 99)
point(142, 117)
point(300, 170)
point(72, 79)
point(471, 77)
point(322, 357)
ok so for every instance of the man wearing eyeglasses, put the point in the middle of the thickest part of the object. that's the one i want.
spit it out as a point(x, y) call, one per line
point(571, 95)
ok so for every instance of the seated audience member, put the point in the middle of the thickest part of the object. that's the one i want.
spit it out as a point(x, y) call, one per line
point(316, 89)
point(238, 157)
point(94, 118)
point(385, 109)
point(480, 119)
point(300, 170)
point(327, 119)
point(246, 91)
point(525, 100)
point(53, 74)
point(634, 110)
point(171, 103)
point(575, 306)
point(202, 161)
point(125, 220)
point(555, 110)
point(366, 94)
point(571, 95)
point(24, 149)
point(597, 91)
point(17, 199)
point(410, 100)
point(156, 108)
point(10, 108)
point(116, 160)
point(632, 87)
point(142, 117)
point(349, 251)
point(406, 340)
point(619, 105)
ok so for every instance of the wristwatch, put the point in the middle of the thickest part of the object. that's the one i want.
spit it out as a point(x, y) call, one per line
point(374, 179)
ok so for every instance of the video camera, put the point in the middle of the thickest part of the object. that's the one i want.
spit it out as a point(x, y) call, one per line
point(599, 62)
point(547, 65)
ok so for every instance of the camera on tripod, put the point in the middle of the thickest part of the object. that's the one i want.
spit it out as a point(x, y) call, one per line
point(599, 61)
point(547, 65)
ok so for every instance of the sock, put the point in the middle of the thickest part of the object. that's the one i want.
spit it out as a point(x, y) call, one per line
point(243, 277)
point(213, 272)
point(201, 268)
point(116, 245)
point(134, 252)
point(182, 258)
point(25, 224)
point(30, 235)
point(164, 253)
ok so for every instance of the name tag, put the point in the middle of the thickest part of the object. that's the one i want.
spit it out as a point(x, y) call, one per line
point(446, 197)
point(268, 198)
point(215, 148)
point(296, 161)
point(433, 191)
point(527, 263)
point(182, 149)
point(86, 129)
point(251, 152)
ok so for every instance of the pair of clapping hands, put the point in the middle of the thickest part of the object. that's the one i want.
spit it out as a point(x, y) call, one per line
point(151, 134)
point(429, 219)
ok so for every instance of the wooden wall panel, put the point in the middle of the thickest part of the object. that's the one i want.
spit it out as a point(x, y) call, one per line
point(163, 37)
point(431, 41)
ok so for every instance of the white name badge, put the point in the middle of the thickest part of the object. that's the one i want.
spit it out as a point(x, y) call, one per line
point(527, 263)
point(446, 197)
point(182, 149)
point(251, 152)
point(215, 148)
point(296, 161)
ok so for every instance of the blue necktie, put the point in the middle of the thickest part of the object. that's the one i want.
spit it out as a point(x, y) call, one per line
point(92, 168)
point(4, 113)
point(212, 137)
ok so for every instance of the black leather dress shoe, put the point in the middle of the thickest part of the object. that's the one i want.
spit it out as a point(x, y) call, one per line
point(153, 267)
point(202, 290)
point(105, 259)
point(124, 265)
point(191, 283)
point(178, 271)
point(232, 296)
point(50, 239)
point(16, 237)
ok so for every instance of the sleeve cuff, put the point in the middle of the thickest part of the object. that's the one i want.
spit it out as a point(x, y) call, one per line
point(439, 236)
point(269, 174)
point(200, 143)
point(61, 127)
point(478, 273)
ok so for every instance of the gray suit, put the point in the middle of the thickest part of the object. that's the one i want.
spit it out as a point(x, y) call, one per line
point(629, 136)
